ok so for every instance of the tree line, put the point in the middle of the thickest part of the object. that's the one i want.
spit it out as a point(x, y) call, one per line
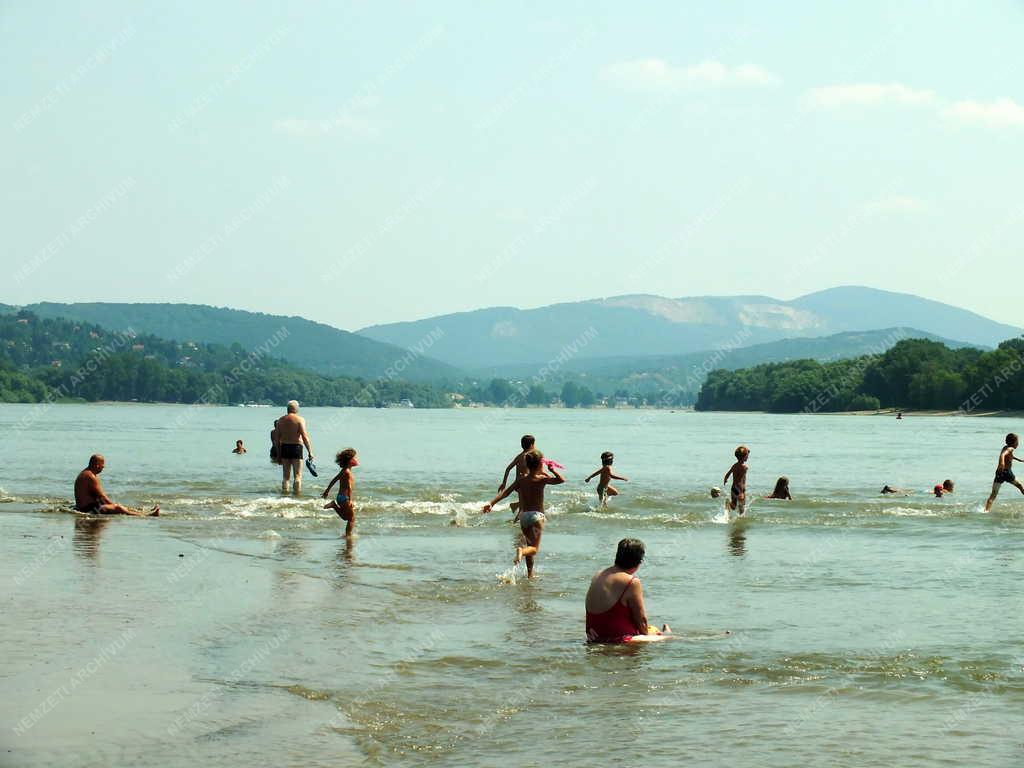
point(912, 374)
point(59, 359)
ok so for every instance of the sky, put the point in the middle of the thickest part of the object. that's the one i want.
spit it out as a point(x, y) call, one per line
point(369, 162)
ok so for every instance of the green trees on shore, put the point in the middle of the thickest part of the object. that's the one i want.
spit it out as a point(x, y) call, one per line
point(914, 373)
point(61, 359)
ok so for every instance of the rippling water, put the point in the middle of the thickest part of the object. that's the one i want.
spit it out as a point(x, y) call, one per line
point(842, 628)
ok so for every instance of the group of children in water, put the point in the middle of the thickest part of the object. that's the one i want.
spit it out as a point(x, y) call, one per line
point(534, 473)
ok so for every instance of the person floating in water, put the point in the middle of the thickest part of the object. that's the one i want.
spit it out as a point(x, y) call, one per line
point(615, 601)
point(781, 490)
point(888, 489)
point(343, 503)
point(943, 489)
point(91, 499)
point(239, 448)
point(738, 471)
point(530, 488)
point(604, 486)
point(1004, 470)
point(527, 442)
point(715, 492)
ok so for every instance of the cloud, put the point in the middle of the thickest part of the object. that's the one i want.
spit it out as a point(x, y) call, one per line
point(344, 124)
point(867, 94)
point(658, 74)
point(1001, 113)
point(896, 204)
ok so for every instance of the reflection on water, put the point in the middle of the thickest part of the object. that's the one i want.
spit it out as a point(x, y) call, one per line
point(86, 539)
point(738, 540)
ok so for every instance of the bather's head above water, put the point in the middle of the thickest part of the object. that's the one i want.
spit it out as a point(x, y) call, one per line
point(630, 554)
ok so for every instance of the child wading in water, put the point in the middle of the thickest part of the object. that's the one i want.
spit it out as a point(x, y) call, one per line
point(342, 503)
point(1004, 469)
point(519, 465)
point(604, 486)
point(738, 492)
point(781, 490)
point(530, 488)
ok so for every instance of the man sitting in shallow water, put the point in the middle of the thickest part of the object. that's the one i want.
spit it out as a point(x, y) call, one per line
point(90, 498)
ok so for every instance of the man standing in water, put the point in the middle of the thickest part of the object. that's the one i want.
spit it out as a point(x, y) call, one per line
point(290, 435)
point(90, 498)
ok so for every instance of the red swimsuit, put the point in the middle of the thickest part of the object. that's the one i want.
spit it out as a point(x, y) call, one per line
point(614, 625)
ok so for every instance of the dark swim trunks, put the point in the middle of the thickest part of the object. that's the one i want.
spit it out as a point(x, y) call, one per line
point(1005, 476)
point(291, 450)
point(89, 509)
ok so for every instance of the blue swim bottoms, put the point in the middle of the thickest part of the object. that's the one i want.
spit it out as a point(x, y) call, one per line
point(341, 498)
point(529, 519)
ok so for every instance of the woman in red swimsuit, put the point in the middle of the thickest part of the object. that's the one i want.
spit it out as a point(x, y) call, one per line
point(615, 600)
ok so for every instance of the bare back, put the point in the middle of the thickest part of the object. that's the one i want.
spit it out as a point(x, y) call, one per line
point(291, 428)
point(531, 490)
point(88, 490)
point(609, 587)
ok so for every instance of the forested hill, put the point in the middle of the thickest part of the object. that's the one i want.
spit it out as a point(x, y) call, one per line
point(43, 359)
point(913, 374)
point(310, 345)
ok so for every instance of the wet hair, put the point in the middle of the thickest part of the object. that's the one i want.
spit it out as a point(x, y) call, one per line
point(1012, 438)
point(629, 554)
point(533, 459)
point(344, 458)
point(238, 442)
point(741, 451)
point(527, 441)
point(607, 458)
point(781, 487)
point(947, 485)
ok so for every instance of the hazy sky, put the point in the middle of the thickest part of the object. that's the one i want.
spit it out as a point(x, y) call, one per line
point(358, 163)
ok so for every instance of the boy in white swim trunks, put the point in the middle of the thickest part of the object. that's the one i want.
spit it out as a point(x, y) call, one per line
point(530, 488)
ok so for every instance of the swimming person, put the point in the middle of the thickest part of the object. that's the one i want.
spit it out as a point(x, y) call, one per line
point(91, 499)
point(615, 600)
point(239, 448)
point(290, 435)
point(343, 503)
point(781, 490)
point(738, 492)
point(604, 486)
point(1004, 469)
point(526, 442)
point(530, 488)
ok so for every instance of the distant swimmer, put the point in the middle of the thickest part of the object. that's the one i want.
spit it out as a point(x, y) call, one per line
point(1004, 469)
point(888, 489)
point(781, 490)
point(239, 448)
point(941, 490)
point(738, 492)
point(530, 488)
point(344, 503)
point(91, 499)
point(715, 492)
point(604, 486)
point(527, 443)
point(615, 601)
point(289, 437)
point(899, 416)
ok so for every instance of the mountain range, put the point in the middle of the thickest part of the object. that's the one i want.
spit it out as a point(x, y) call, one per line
point(643, 325)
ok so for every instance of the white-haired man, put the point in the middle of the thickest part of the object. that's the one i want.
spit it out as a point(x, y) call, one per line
point(290, 436)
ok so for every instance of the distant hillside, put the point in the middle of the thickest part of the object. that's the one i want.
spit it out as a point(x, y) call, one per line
point(43, 359)
point(311, 345)
point(628, 326)
point(685, 373)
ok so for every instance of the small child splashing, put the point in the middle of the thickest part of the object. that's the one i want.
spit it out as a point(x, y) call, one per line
point(343, 502)
point(604, 486)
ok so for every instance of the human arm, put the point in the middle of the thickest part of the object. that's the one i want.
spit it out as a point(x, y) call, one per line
point(304, 436)
point(327, 491)
point(618, 477)
point(724, 479)
point(557, 478)
point(508, 469)
point(635, 603)
point(501, 495)
point(593, 474)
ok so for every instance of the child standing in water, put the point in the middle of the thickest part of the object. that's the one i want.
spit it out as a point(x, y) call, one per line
point(604, 486)
point(1004, 469)
point(518, 463)
point(530, 488)
point(738, 492)
point(343, 503)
